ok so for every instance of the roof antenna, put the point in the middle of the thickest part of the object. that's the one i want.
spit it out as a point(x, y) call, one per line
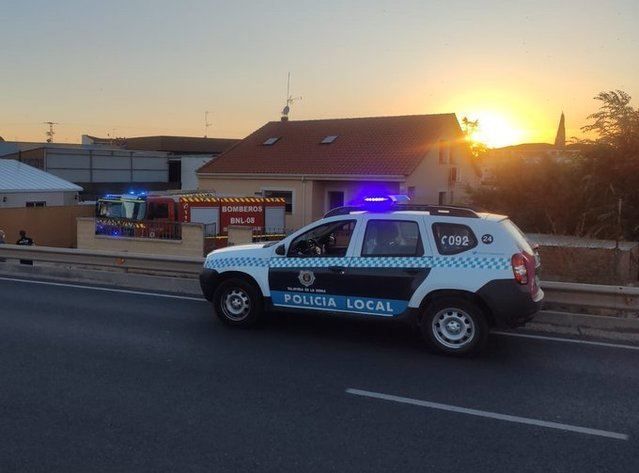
point(289, 99)
point(207, 124)
point(51, 131)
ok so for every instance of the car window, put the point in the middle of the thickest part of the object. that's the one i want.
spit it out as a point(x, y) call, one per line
point(453, 238)
point(329, 239)
point(518, 235)
point(392, 238)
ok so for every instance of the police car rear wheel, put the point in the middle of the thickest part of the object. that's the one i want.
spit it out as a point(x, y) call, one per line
point(237, 303)
point(454, 326)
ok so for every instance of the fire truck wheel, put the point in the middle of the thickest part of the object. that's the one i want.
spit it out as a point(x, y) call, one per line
point(237, 303)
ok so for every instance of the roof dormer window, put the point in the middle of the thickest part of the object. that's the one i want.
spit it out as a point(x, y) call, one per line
point(271, 141)
point(328, 139)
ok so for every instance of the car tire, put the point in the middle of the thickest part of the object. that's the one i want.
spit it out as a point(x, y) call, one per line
point(238, 303)
point(454, 326)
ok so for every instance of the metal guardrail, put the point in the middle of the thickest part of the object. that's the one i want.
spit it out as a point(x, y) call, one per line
point(593, 296)
point(108, 259)
point(615, 298)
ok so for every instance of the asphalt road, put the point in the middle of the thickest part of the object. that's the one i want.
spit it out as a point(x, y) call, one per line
point(108, 381)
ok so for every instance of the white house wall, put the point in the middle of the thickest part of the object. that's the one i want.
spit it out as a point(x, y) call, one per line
point(51, 198)
point(189, 165)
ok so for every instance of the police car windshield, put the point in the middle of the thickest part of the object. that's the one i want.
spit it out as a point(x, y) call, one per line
point(518, 235)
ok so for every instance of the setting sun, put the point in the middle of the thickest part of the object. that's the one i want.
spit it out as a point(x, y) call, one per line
point(495, 130)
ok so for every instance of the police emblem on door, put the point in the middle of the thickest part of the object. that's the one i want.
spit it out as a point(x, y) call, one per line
point(306, 278)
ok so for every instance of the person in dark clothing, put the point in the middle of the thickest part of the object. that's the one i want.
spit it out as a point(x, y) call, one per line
point(24, 240)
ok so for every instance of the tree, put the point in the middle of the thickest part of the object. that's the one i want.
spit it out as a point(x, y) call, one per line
point(595, 194)
point(470, 127)
point(611, 166)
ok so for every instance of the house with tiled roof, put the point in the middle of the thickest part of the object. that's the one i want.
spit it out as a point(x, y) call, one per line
point(321, 164)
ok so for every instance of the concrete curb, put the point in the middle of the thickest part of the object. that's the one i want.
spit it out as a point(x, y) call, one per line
point(581, 325)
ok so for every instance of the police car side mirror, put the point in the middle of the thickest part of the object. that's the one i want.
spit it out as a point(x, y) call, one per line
point(280, 250)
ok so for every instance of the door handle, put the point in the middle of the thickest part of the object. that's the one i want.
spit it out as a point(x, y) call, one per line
point(337, 269)
point(412, 270)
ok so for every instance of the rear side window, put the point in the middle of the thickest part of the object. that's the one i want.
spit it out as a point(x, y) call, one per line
point(518, 235)
point(392, 238)
point(453, 238)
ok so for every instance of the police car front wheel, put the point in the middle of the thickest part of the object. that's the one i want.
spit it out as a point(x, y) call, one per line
point(454, 326)
point(237, 302)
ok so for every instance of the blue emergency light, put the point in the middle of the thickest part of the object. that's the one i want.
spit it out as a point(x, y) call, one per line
point(383, 201)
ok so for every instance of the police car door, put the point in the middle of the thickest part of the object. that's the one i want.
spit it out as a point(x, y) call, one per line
point(312, 273)
point(389, 266)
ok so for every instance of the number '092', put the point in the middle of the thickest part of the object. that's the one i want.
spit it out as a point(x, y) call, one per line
point(455, 240)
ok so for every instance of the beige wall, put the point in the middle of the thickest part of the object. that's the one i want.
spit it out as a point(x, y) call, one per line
point(430, 177)
point(191, 244)
point(302, 193)
point(48, 226)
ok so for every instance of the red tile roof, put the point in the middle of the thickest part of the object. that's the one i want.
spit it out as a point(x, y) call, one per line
point(377, 146)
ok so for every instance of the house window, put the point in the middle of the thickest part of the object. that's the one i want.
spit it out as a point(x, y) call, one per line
point(455, 175)
point(287, 195)
point(442, 198)
point(39, 203)
point(271, 141)
point(328, 139)
point(443, 152)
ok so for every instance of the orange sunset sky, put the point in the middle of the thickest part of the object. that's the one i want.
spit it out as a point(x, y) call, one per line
point(134, 68)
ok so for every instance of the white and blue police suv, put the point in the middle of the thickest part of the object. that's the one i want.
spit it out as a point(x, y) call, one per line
point(453, 271)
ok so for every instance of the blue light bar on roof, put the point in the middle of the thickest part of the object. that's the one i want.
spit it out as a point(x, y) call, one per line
point(376, 199)
point(393, 198)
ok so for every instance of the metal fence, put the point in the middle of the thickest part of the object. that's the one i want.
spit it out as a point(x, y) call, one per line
point(152, 229)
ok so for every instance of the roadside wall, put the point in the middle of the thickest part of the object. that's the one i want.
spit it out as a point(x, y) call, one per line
point(48, 226)
point(589, 265)
point(191, 244)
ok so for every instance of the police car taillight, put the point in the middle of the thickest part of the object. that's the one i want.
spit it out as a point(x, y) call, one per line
point(519, 268)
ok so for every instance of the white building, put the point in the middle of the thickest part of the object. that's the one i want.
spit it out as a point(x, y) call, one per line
point(22, 185)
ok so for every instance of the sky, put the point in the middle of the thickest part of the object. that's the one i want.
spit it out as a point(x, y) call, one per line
point(141, 67)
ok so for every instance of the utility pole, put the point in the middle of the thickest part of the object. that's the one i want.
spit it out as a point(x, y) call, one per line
point(207, 124)
point(51, 131)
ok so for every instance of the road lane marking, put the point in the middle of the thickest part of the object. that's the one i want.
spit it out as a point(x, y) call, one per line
point(105, 289)
point(566, 340)
point(488, 414)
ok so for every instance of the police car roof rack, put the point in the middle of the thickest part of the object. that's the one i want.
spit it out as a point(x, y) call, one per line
point(440, 210)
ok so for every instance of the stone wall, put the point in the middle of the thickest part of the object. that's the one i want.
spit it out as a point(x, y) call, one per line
point(589, 265)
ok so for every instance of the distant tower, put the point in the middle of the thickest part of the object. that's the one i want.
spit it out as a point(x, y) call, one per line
point(560, 139)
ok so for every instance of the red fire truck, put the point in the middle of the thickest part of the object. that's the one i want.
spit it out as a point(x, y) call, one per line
point(160, 215)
